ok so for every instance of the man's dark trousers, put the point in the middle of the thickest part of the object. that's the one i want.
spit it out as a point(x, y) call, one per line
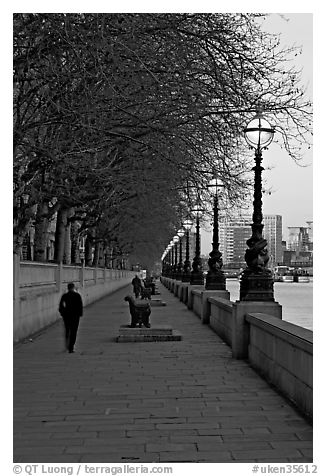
point(71, 327)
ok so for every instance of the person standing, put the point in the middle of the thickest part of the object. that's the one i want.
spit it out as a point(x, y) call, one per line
point(71, 309)
point(137, 285)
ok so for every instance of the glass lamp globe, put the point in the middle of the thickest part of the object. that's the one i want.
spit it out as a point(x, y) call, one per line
point(197, 210)
point(187, 224)
point(259, 133)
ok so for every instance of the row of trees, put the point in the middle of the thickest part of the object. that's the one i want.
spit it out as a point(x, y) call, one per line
point(118, 118)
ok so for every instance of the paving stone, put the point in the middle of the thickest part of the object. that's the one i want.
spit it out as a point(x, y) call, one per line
point(39, 450)
point(292, 444)
point(307, 452)
point(217, 446)
point(256, 454)
point(304, 435)
point(302, 459)
point(255, 431)
point(48, 458)
point(77, 435)
point(113, 447)
point(195, 456)
point(261, 437)
point(50, 442)
point(113, 457)
point(179, 426)
point(195, 439)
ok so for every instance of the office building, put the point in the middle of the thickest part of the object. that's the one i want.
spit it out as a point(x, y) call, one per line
point(234, 233)
point(273, 234)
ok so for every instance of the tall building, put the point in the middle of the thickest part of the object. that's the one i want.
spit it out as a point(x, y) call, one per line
point(298, 238)
point(273, 234)
point(300, 242)
point(310, 230)
point(234, 233)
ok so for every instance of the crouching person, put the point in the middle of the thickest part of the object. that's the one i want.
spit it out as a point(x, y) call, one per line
point(139, 311)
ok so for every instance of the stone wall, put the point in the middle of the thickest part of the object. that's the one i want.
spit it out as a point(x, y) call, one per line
point(197, 302)
point(283, 353)
point(220, 319)
point(39, 286)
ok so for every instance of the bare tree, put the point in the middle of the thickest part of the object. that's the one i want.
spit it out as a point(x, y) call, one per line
point(115, 113)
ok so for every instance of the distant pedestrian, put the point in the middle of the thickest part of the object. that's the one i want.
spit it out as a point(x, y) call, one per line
point(71, 309)
point(137, 286)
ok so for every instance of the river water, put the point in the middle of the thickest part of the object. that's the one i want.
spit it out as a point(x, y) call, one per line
point(296, 300)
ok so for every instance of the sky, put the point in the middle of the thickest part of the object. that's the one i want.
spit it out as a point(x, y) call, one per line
point(291, 185)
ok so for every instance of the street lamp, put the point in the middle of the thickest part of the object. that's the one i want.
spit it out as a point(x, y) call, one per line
point(197, 276)
point(215, 278)
point(169, 265)
point(180, 235)
point(187, 224)
point(175, 240)
point(257, 282)
point(171, 258)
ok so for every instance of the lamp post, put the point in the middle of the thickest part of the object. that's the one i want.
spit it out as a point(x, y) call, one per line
point(175, 240)
point(164, 261)
point(172, 259)
point(169, 260)
point(256, 283)
point(215, 279)
point(187, 265)
point(197, 276)
point(180, 235)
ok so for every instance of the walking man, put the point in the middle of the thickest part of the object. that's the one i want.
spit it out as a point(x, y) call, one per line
point(71, 309)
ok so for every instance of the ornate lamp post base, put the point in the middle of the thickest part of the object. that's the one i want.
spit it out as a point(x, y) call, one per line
point(215, 280)
point(186, 275)
point(256, 286)
point(197, 278)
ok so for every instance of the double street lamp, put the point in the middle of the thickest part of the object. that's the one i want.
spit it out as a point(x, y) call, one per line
point(257, 282)
point(180, 264)
point(196, 275)
point(186, 275)
point(175, 240)
point(215, 279)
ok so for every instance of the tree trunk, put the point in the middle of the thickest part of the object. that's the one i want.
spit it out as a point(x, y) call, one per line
point(96, 254)
point(89, 248)
point(60, 233)
point(67, 245)
point(75, 258)
point(106, 257)
point(41, 232)
point(101, 256)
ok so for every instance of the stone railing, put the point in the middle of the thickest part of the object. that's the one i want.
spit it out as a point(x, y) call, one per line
point(281, 351)
point(39, 286)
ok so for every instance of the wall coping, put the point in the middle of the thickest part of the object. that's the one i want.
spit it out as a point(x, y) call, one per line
point(197, 292)
point(224, 303)
point(36, 264)
point(291, 333)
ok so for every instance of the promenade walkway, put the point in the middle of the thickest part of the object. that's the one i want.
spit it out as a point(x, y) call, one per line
point(112, 402)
